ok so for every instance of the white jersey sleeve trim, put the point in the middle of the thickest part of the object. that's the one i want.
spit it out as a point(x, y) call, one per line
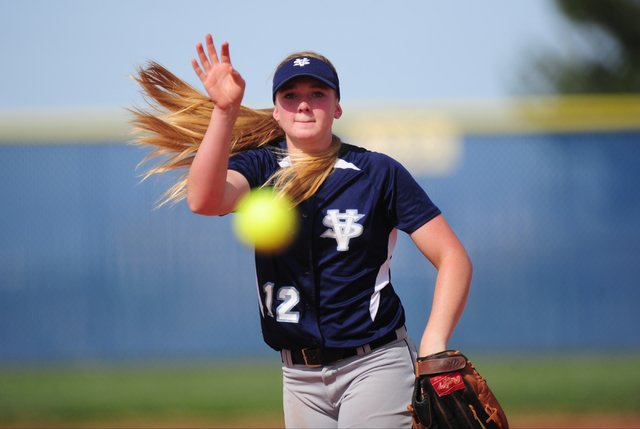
point(382, 279)
point(341, 163)
point(285, 162)
point(260, 304)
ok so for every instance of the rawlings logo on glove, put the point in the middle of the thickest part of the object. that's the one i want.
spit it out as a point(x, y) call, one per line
point(447, 383)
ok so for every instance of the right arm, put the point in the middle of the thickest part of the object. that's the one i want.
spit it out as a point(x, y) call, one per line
point(212, 189)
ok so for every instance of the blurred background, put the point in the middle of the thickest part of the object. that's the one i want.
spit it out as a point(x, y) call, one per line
point(521, 120)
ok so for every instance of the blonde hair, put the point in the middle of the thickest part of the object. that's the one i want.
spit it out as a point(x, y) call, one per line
point(178, 116)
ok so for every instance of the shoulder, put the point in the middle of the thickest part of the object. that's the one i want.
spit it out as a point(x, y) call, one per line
point(363, 155)
point(267, 152)
point(257, 165)
point(374, 164)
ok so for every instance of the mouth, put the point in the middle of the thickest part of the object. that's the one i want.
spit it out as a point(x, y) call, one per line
point(304, 119)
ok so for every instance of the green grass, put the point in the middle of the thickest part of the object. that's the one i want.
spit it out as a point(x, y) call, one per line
point(523, 386)
point(59, 395)
point(574, 384)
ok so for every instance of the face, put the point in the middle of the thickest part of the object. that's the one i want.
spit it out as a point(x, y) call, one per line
point(305, 109)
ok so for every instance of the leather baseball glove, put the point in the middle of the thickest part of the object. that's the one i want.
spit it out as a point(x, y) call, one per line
point(449, 393)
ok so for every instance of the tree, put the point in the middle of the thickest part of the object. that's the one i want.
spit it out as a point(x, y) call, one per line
point(606, 59)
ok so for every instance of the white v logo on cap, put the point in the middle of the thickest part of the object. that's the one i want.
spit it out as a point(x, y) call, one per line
point(301, 62)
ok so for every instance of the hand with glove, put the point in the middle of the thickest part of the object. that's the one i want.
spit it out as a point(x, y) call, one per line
point(449, 393)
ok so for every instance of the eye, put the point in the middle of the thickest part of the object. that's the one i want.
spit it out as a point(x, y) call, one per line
point(289, 95)
point(318, 94)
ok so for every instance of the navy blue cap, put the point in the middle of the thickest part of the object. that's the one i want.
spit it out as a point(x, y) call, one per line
point(306, 66)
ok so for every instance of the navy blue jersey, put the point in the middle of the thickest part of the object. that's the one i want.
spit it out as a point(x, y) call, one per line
point(332, 287)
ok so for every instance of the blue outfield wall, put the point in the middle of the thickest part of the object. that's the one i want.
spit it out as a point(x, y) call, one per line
point(88, 270)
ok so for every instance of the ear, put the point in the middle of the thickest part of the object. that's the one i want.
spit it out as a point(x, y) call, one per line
point(338, 112)
point(276, 115)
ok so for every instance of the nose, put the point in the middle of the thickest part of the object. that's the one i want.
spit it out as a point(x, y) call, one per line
point(304, 106)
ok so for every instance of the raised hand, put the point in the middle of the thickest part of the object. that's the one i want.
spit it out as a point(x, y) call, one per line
point(222, 82)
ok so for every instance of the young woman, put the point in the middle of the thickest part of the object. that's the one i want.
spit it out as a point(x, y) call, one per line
point(326, 303)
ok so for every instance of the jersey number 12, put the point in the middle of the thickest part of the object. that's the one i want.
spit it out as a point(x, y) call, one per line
point(289, 297)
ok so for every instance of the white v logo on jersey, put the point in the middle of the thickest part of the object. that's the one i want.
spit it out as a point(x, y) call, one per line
point(343, 227)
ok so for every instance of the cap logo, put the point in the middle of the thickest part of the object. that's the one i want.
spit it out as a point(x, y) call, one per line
point(301, 62)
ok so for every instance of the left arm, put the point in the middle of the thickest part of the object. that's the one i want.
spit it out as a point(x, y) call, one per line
point(440, 245)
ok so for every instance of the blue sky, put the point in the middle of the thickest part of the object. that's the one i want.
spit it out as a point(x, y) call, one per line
point(79, 53)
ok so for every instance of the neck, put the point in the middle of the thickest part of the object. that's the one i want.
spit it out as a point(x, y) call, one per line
point(296, 146)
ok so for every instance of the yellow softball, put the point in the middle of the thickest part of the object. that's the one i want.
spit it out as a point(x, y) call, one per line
point(266, 221)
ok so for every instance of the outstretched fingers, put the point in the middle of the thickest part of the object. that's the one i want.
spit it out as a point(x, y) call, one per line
point(207, 61)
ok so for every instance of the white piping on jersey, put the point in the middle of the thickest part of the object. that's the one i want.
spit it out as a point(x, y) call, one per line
point(382, 279)
point(340, 163)
point(260, 302)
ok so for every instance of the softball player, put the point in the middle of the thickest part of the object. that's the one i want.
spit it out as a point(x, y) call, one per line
point(327, 303)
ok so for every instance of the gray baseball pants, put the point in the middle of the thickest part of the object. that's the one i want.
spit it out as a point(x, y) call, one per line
point(368, 391)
